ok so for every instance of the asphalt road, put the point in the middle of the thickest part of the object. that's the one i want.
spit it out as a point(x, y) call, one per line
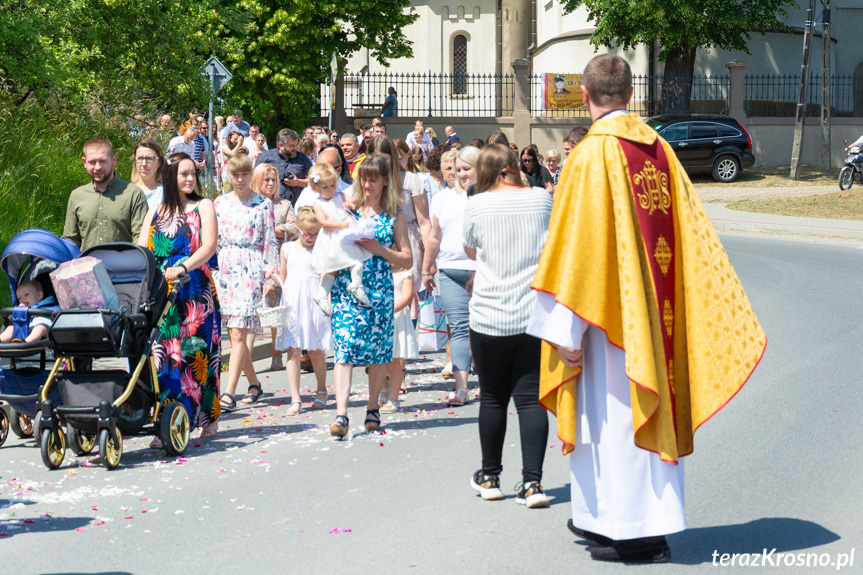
point(780, 467)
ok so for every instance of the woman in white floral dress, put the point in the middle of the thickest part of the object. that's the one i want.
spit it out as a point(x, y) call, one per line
point(248, 257)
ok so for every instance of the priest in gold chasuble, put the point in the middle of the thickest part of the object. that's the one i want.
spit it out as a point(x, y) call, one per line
point(647, 331)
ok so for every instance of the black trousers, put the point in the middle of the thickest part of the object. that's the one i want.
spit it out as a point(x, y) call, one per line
point(508, 367)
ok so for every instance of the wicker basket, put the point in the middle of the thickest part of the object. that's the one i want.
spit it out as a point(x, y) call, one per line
point(274, 317)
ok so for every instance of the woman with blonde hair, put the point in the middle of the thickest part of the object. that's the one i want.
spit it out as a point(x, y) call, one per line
point(265, 181)
point(446, 254)
point(415, 203)
point(363, 335)
point(248, 258)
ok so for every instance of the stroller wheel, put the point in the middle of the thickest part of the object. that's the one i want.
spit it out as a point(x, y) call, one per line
point(174, 428)
point(4, 426)
point(22, 425)
point(53, 448)
point(110, 448)
point(79, 442)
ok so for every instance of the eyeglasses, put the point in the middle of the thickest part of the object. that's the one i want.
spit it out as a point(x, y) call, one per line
point(145, 159)
point(527, 160)
point(305, 235)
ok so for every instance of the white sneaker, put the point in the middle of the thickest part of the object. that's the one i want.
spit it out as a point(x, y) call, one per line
point(324, 303)
point(531, 495)
point(359, 293)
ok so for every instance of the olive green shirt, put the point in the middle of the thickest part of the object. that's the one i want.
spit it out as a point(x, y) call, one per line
point(115, 215)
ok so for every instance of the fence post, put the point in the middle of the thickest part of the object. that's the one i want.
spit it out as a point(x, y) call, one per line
point(521, 111)
point(736, 92)
point(340, 117)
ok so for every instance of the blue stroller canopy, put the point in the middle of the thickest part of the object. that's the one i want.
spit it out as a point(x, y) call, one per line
point(32, 253)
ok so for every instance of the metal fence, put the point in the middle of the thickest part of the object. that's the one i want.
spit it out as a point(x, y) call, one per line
point(652, 95)
point(427, 94)
point(489, 95)
point(776, 95)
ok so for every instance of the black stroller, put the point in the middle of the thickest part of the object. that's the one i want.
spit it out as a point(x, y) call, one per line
point(30, 256)
point(101, 406)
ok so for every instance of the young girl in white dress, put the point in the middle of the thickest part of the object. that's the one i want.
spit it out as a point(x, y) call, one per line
point(309, 328)
point(404, 338)
point(331, 255)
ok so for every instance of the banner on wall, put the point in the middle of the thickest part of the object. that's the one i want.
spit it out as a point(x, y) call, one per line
point(562, 91)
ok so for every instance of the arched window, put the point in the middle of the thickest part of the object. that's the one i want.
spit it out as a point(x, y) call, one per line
point(459, 64)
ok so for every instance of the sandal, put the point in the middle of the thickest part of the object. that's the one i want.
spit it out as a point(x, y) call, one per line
point(391, 407)
point(276, 364)
point(383, 396)
point(254, 398)
point(292, 411)
point(156, 443)
point(339, 428)
point(373, 420)
point(319, 403)
point(460, 397)
point(230, 404)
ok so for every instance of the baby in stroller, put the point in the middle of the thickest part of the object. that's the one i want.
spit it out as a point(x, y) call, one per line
point(23, 328)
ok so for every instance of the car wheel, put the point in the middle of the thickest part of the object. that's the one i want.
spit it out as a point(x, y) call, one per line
point(726, 168)
point(846, 178)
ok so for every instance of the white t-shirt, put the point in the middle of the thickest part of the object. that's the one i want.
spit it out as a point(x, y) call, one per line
point(449, 208)
point(308, 195)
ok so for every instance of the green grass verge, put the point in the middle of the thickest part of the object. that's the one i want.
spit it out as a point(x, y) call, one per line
point(40, 163)
point(839, 205)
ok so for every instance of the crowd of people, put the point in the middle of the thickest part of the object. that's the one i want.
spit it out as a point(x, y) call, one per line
point(537, 277)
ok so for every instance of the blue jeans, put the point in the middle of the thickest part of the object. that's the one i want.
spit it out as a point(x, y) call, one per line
point(455, 299)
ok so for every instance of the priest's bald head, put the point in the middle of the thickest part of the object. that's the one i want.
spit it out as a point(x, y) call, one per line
point(606, 84)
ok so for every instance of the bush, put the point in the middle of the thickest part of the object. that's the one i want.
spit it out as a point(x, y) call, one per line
point(40, 163)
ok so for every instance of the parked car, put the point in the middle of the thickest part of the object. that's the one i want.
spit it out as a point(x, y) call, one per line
point(718, 145)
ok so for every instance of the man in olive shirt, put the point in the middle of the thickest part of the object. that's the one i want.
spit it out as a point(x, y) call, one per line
point(108, 209)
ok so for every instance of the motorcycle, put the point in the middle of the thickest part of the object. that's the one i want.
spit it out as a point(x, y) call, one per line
point(853, 171)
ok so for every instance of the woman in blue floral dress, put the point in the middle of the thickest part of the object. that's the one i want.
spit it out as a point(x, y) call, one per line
point(181, 233)
point(364, 334)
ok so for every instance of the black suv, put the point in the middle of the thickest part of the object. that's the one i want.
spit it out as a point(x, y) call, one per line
point(715, 144)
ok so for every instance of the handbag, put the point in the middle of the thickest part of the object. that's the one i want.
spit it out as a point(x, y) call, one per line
point(431, 325)
point(276, 316)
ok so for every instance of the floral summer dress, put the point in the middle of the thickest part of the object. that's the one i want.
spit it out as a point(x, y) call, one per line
point(247, 250)
point(188, 352)
point(364, 334)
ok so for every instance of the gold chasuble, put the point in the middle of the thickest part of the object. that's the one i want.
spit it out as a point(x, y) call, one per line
point(631, 251)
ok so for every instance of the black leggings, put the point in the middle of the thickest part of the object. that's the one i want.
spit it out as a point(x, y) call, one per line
point(508, 367)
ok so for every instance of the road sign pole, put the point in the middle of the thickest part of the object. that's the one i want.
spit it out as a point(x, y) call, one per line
point(212, 155)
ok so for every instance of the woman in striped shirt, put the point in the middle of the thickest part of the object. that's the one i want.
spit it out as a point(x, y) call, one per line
point(504, 231)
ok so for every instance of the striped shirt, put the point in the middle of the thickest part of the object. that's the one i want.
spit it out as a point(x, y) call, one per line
point(508, 230)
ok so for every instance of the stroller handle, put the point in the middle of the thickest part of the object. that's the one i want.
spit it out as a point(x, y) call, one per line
point(8, 311)
point(181, 280)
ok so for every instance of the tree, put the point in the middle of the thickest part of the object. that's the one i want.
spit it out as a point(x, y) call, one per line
point(681, 27)
point(103, 56)
point(279, 52)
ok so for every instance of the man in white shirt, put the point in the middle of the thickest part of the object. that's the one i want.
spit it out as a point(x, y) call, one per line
point(426, 138)
point(249, 141)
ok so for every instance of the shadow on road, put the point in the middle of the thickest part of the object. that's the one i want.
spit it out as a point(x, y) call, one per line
point(696, 546)
point(15, 528)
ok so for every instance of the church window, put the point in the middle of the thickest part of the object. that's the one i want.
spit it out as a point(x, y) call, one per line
point(459, 64)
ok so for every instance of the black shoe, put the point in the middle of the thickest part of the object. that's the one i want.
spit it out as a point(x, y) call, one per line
point(531, 495)
point(641, 550)
point(589, 535)
point(488, 486)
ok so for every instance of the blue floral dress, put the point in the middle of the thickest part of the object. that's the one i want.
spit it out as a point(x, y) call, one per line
point(364, 334)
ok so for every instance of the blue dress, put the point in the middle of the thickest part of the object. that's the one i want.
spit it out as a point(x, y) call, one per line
point(364, 334)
